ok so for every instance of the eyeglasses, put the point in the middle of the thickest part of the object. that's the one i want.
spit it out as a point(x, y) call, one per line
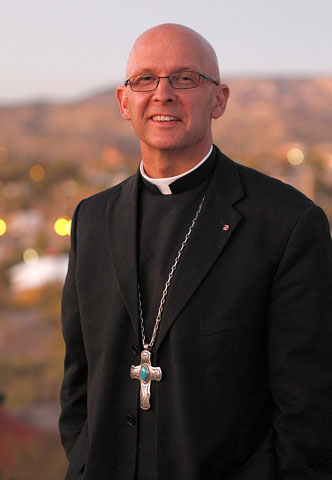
point(181, 80)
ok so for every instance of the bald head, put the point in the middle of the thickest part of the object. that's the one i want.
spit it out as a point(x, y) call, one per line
point(165, 41)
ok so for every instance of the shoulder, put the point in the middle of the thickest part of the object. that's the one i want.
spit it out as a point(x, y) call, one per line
point(267, 197)
point(275, 192)
point(279, 204)
point(277, 212)
point(98, 202)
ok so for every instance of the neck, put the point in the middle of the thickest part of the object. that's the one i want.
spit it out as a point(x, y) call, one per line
point(169, 163)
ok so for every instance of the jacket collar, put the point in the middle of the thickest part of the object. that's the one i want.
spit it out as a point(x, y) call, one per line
point(187, 180)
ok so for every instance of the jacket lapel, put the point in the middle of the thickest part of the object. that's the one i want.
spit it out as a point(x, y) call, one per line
point(214, 227)
point(122, 234)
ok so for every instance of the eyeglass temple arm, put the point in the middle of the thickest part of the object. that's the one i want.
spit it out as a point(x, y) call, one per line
point(207, 77)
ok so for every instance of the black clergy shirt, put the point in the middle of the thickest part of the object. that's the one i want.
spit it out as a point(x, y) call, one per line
point(163, 221)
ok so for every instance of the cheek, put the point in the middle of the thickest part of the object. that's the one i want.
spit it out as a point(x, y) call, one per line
point(201, 108)
point(137, 109)
point(201, 116)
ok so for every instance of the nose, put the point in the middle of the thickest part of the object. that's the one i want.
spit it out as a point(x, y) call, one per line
point(164, 92)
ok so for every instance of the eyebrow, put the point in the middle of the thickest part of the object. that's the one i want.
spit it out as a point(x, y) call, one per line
point(173, 70)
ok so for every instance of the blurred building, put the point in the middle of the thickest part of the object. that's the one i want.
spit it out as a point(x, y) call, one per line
point(38, 272)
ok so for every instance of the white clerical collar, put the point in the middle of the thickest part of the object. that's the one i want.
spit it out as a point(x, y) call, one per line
point(163, 183)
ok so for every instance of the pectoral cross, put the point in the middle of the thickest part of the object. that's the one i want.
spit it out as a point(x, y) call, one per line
point(145, 373)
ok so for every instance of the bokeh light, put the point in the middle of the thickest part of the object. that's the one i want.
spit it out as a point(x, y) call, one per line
point(30, 256)
point(68, 227)
point(37, 173)
point(3, 227)
point(295, 156)
point(62, 227)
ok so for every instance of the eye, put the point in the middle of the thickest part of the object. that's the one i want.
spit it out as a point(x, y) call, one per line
point(184, 79)
point(143, 79)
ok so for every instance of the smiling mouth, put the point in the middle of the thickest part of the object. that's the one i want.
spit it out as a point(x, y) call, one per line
point(164, 118)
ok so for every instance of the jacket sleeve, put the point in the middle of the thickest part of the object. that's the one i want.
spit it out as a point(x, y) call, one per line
point(73, 395)
point(300, 351)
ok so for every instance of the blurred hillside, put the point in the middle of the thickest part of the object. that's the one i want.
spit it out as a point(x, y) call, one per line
point(262, 114)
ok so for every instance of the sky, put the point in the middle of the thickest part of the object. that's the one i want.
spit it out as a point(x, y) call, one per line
point(65, 49)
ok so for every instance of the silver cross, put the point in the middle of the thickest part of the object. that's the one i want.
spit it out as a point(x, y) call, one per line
point(145, 373)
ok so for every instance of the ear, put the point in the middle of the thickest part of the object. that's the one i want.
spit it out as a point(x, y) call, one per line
point(122, 96)
point(220, 100)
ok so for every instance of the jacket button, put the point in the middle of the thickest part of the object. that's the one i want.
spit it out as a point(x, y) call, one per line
point(131, 420)
point(135, 350)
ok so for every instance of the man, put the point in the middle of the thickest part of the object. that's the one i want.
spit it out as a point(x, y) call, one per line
point(197, 305)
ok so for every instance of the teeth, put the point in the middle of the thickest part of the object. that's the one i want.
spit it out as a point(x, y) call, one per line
point(163, 118)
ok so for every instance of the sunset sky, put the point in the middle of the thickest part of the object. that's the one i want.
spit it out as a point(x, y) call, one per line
point(68, 48)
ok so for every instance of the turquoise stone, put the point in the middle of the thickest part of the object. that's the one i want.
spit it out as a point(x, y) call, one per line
point(144, 373)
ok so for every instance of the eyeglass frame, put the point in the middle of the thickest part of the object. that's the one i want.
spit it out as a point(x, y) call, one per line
point(203, 75)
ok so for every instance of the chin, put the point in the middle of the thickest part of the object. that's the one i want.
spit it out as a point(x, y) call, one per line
point(164, 143)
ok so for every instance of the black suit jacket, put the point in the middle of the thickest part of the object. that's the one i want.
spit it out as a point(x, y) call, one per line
point(245, 342)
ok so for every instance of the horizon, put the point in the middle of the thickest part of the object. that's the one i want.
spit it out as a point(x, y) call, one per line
point(104, 89)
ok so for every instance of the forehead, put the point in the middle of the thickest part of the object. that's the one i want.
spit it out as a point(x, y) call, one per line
point(162, 54)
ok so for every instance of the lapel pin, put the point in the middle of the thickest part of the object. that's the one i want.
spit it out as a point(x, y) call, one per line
point(225, 227)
